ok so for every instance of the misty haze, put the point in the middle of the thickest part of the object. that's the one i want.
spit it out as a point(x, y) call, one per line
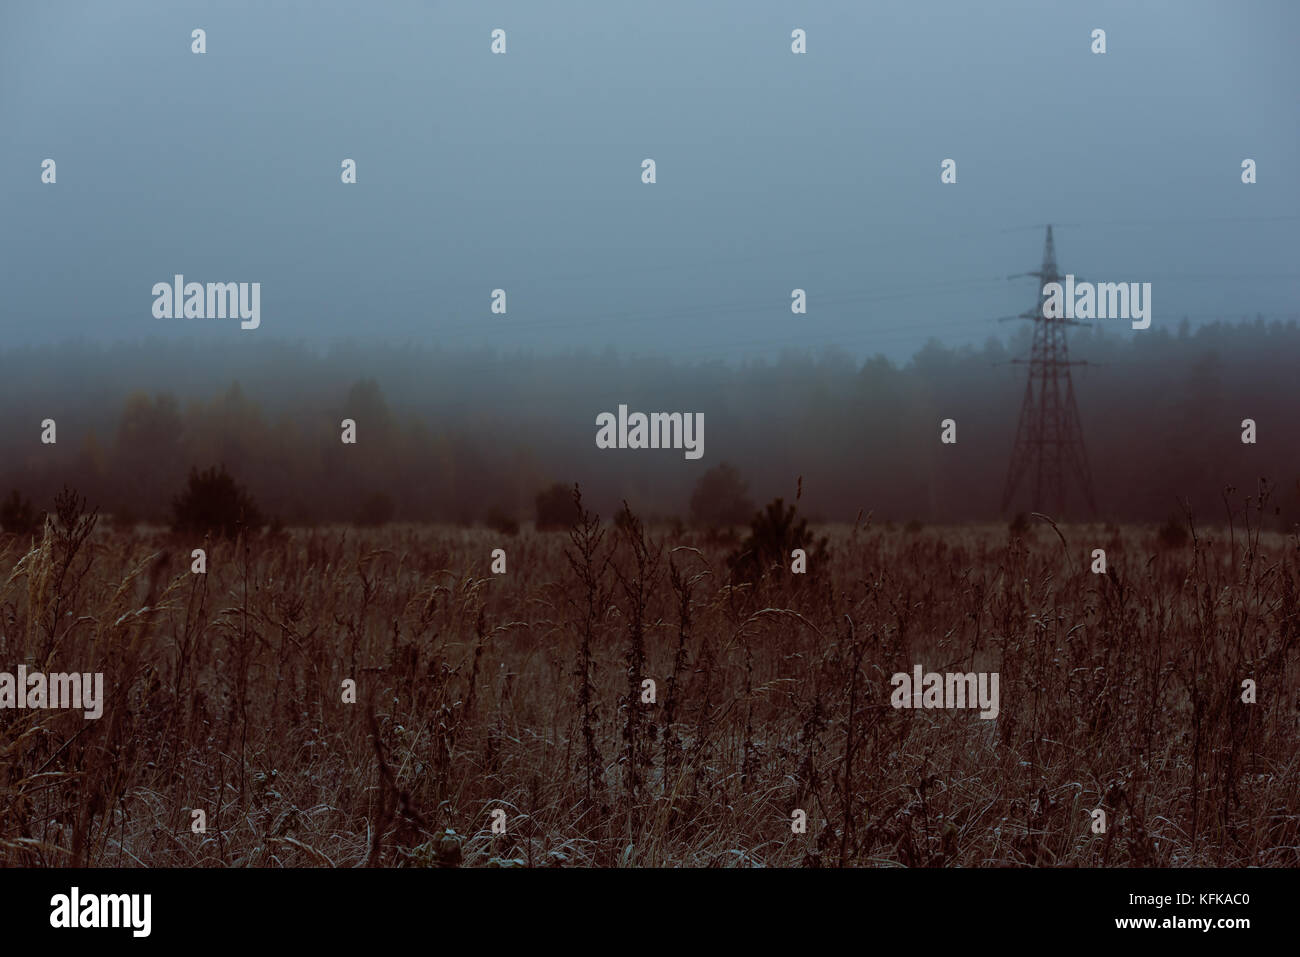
point(597, 434)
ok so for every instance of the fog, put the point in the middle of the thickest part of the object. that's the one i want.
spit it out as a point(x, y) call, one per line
point(522, 171)
point(453, 435)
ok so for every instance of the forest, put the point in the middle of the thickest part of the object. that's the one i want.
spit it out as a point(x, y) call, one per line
point(457, 436)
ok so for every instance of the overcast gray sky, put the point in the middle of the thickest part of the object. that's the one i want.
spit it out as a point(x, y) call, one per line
point(522, 171)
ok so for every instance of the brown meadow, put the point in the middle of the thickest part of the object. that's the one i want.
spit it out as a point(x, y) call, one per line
point(523, 692)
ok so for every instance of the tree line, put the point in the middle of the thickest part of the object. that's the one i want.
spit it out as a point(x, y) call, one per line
point(466, 437)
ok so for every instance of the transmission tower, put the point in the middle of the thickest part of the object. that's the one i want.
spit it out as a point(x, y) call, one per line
point(1049, 439)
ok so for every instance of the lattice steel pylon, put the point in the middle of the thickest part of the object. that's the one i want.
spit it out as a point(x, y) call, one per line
point(1049, 439)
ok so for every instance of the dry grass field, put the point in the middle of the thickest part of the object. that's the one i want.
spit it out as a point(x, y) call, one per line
point(522, 692)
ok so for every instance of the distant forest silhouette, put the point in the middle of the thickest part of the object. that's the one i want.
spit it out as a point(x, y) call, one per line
point(461, 436)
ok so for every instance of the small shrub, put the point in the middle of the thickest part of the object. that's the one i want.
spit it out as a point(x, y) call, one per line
point(773, 534)
point(721, 498)
point(213, 502)
point(1173, 533)
point(17, 516)
point(500, 522)
point(376, 509)
point(555, 507)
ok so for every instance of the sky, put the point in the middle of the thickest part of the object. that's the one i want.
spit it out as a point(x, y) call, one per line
point(522, 171)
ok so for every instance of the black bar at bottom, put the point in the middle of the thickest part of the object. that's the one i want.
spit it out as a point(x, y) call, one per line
point(497, 907)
